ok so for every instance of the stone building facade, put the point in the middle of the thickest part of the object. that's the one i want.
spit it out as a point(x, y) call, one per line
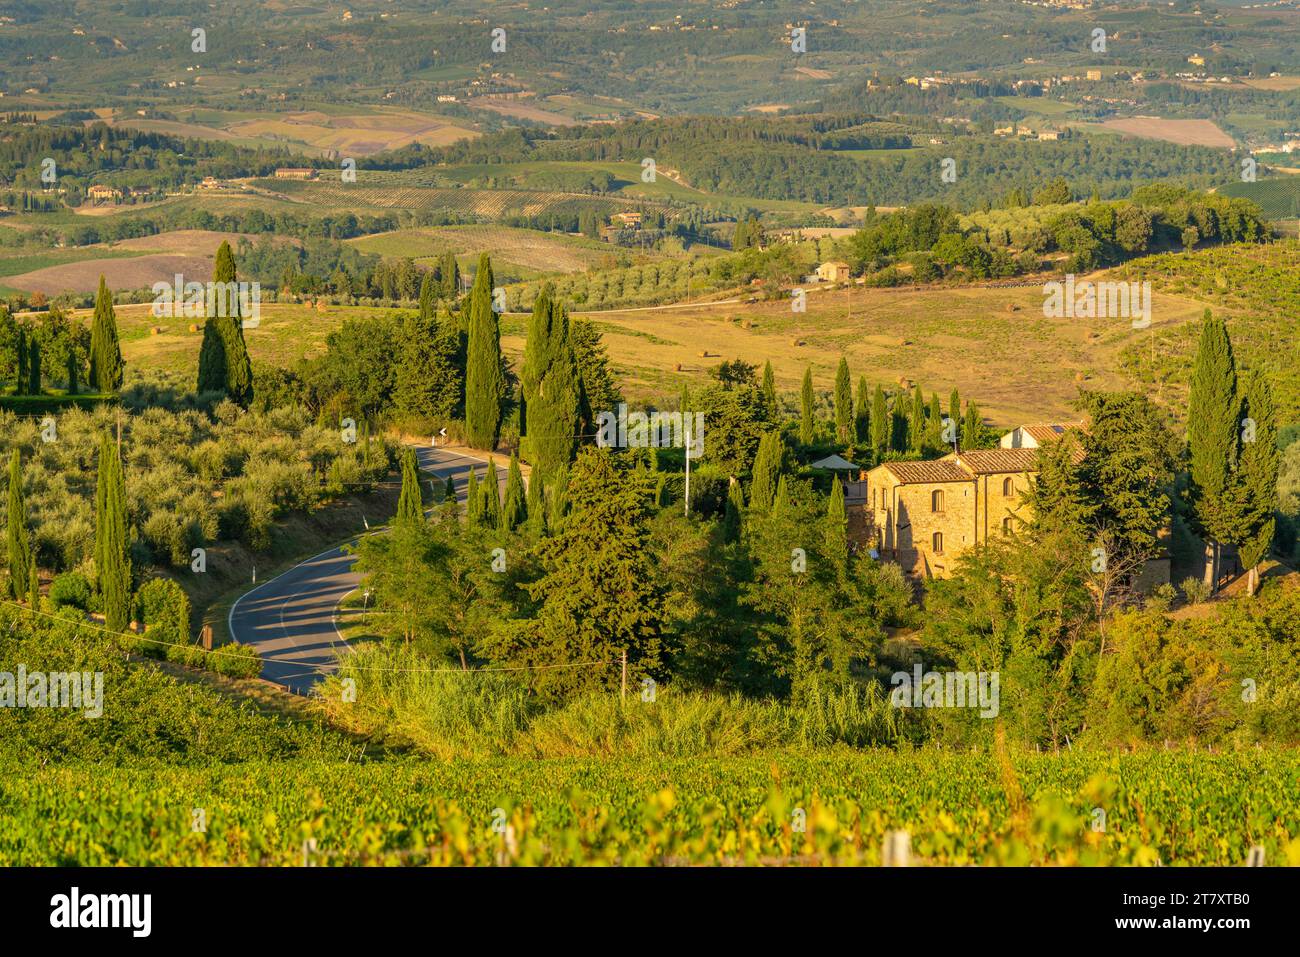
point(924, 515)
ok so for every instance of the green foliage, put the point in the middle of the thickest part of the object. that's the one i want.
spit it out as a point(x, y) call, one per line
point(1213, 418)
point(843, 402)
point(164, 609)
point(807, 422)
point(70, 590)
point(514, 508)
point(766, 472)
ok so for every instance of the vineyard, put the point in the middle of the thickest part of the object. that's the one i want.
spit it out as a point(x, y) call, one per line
point(1277, 196)
point(1173, 808)
point(1256, 287)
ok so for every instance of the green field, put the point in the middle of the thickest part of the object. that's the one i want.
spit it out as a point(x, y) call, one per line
point(1176, 808)
point(1278, 196)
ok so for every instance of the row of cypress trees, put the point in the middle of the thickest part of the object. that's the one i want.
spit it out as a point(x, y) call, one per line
point(1234, 459)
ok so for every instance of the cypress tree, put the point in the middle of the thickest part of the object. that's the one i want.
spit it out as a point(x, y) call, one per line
point(428, 296)
point(954, 416)
point(916, 422)
point(73, 385)
point(781, 504)
point(1256, 483)
point(212, 360)
point(449, 271)
point(733, 518)
point(934, 423)
point(862, 412)
point(484, 385)
point(473, 499)
point(837, 525)
point(24, 374)
point(33, 586)
point(881, 424)
point(551, 388)
point(843, 402)
point(559, 506)
point(113, 563)
point(34, 369)
point(1213, 417)
point(766, 472)
point(769, 388)
point(807, 425)
point(491, 491)
point(536, 505)
point(239, 368)
point(449, 493)
point(514, 509)
point(1058, 497)
point(973, 427)
point(20, 552)
point(410, 510)
point(105, 352)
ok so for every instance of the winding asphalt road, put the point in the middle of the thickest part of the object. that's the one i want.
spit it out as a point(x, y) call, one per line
point(290, 619)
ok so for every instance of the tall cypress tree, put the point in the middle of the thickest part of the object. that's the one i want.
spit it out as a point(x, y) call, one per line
point(514, 509)
point(410, 510)
point(428, 296)
point(1256, 478)
point(449, 271)
point(843, 402)
point(34, 369)
point(954, 416)
point(837, 526)
point(71, 373)
point(113, 562)
point(491, 491)
point(239, 368)
point(551, 388)
point(536, 505)
point(973, 427)
point(733, 517)
point(473, 499)
point(24, 374)
point(781, 505)
point(862, 412)
point(106, 365)
point(934, 423)
point(766, 472)
point(916, 422)
point(20, 552)
point(33, 586)
point(1213, 417)
point(484, 385)
point(769, 388)
point(881, 424)
point(807, 424)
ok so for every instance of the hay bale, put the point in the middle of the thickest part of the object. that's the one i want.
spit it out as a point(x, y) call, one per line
point(194, 327)
point(677, 367)
point(796, 342)
point(155, 330)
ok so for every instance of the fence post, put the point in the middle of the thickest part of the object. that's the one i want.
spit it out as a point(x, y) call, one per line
point(897, 849)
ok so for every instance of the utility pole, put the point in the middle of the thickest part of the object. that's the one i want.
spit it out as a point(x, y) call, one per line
point(624, 691)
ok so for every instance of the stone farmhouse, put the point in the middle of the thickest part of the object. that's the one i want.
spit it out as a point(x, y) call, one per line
point(924, 515)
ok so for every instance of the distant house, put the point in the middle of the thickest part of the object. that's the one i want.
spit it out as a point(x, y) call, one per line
point(1035, 436)
point(296, 172)
point(1094, 74)
point(210, 182)
point(833, 272)
point(630, 220)
point(100, 193)
point(1049, 134)
point(1196, 60)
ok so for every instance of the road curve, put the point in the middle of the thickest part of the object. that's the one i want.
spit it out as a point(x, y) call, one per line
point(290, 619)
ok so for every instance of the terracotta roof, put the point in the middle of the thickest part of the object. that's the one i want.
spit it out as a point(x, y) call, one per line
point(985, 461)
point(1049, 432)
point(940, 470)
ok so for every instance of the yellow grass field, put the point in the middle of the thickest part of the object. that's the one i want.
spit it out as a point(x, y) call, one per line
point(1182, 132)
point(530, 249)
point(992, 344)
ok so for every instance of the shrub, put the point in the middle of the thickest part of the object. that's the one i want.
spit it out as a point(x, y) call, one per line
point(235, 661)
point(70, 590)
point(1161, 597)
point(1195, 590)
point(164, 609)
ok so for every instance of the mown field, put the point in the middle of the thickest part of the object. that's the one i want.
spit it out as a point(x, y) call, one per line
point(526, 249)
point(1172, 808)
